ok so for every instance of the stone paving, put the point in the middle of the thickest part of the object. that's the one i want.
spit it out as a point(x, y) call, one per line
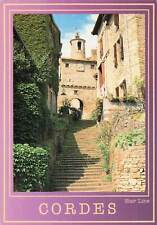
point(80, 165)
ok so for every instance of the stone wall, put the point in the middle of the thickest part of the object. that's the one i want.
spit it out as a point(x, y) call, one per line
point(128, 169)
point(132, 65)
point(86, 95)
point(78, 82)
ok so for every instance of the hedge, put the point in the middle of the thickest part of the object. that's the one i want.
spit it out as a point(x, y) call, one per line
point(30, 168)
point(27, 113)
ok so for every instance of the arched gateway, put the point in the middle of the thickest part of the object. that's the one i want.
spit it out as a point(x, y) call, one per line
point(77, 79)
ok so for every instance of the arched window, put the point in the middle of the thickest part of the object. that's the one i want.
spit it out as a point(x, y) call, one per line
point(79, 45)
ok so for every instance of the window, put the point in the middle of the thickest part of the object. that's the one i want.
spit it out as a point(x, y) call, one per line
point(115, 56)
point(101, 48)
point(123, 89)
point(92, 66)
point(116, 20)
point(117, 92)
point(75, 92)
point(66, 65)
point(121, 48)
point(79, 45)
point(118, 51)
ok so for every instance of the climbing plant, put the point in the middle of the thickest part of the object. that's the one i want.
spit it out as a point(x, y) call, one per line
point(27, 113)
point(97, 113)
point(35, 32)
point(30, 168)
point(35, 67)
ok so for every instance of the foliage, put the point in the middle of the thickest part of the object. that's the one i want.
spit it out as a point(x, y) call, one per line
point(97, 113)
point(140, 84)
point(130, 99)
point(33, 71)
point(27, 113)
point(104, 140)
point(64, 109)
point(60, 123)
point(36, 32)
point(24, 67)
point(106, 133)
point(105, 151)
point(75, 113)
point(30, 168)
point(109, 178)
point(134, 137)
point(111, 98)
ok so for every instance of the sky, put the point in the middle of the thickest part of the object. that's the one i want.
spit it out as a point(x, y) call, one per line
point(69, 24)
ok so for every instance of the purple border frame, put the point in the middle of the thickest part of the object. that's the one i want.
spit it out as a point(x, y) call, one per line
point(23, 206)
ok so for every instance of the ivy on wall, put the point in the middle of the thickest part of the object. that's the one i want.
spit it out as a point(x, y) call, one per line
point(35, 66)
point(35, 32)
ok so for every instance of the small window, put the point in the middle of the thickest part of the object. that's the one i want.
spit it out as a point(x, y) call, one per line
point(121, 47)
point(79, 45)
point(92, 66)
point(116, 20)
point(115, 56)
point(66, 65)
point(75, 92)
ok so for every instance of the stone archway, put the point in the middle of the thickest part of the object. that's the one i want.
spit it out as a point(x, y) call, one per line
point(77, 104)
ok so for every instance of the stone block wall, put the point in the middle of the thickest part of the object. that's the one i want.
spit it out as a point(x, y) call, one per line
point(128, 169)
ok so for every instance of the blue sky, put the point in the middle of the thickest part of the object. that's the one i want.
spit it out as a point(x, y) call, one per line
point(69, 24)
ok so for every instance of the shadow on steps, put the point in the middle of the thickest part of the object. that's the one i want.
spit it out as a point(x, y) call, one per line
point(80, 162)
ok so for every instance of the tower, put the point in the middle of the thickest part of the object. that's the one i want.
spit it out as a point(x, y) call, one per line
point(77, 47)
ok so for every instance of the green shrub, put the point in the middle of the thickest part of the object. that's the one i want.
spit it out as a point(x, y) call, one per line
point(134, 137)
point(105, 151)
point(64, 109)
point(60, 123)
point(140, 84)
point(97, 113)
point(30, 168)
point(27, 113)
point(106, 133)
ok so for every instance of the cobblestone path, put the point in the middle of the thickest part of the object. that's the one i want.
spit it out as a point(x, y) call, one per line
point(80, 166)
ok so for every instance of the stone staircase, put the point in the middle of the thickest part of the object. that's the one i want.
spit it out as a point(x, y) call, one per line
point(80, 166)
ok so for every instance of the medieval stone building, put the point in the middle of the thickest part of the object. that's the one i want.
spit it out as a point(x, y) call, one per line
point(78, 78)
point(120, 56)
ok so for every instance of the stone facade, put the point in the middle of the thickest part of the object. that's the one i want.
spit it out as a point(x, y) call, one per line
point(77, 81)
point(128, 169)
point(120, 55)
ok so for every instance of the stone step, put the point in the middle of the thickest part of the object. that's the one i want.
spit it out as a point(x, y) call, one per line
point(83, 179)
point(74, 165)
point(79, 173)
point(76, 162)
point(80, 184)
point(80, 165)
point(74, 156)
point(79, 141)
point(77, 157)
point(80, 169)
point(107, 188)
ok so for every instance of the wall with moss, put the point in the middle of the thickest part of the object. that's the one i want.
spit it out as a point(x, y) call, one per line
point(42, 40)
point(35, 58)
